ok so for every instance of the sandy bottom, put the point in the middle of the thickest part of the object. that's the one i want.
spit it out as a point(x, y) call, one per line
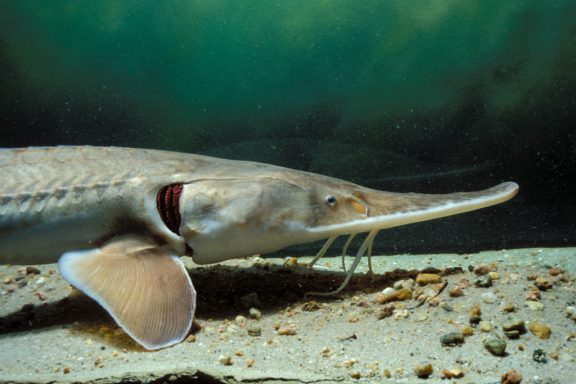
point(50, 332)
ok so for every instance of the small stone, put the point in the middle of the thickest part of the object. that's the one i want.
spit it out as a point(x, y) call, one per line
point(349, 362)
point(495, 346)
point(533, 293)
point(423, 370)
point(455, 373)
point(494, 275)
point(555, 271)
point(400, 314)
point(475, 310)
point(514, 324)
point(326, 352)
point(467, 331)
point(289, 330)
point(540, 330)
point(250, 363)
point(485, 326)
point(511, 377)
point(475, 314)
point(240, 321)
point(463, 283)
point(32, 271)
point(311, 306)
point(489, 297)
point(66, 370)
point(542, 284)
point(385, 311)
point(355, 375)
point(508, 307)
point(539, 356)
point(554, 355)
point(395, 295)
point(456, 291)
point(225, 360)
point(452, 338)
point(482, 269)
point(254, 330)
point(483, 281)
point(254, 313)
point(406, 284)
point(387, 374)
point(388, 290)
point(428, 278)
point(290, 262)
point(191, 339)
point(535, 305)
point(571, 312)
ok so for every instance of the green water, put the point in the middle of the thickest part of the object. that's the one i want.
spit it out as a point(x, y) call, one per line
point(405, 94)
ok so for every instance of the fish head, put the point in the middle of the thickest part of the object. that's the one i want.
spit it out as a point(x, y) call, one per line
point(229, 218)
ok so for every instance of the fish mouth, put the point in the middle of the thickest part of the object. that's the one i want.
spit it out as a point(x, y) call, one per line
point(386, 210)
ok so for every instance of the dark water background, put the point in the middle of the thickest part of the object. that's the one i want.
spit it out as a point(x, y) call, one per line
point(402, 95)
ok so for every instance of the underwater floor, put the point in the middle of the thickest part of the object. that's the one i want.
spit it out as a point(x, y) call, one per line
point(475, 318)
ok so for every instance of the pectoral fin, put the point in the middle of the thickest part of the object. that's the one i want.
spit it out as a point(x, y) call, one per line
point(145, 289)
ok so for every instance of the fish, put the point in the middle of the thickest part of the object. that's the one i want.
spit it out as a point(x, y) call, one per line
point(117, 220)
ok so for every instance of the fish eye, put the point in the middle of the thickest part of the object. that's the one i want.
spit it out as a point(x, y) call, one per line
point(331, 200)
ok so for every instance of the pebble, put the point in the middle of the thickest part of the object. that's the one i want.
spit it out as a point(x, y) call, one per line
point(427, 278)
point(386, 311)
point(535, 305)
point(32, 271)
point(387, 374)
point(475, 314)
point(420, 315)
point(389, 290)
point(489, 297)
point(533, 293)
point(395, 295)
point(540, 330)
point(423, 370)
point(511, 377)
point(452, 338)
point(555, 271)
point(508, 307)
point(225, 360)
point(254, 313)
point(407, 284)
point(494, 275)
point(254, 330)
point(400, 314)
point(514, 327)
point(485, 326)
point(456, 291)
point(571, 312)
point(250, 363)
point(542, 284)
point(495, 346)
point(240, 321)
point(326, 352)
point(311, 306)
point(539, 356)
point(455, 373)
point(482, 269)
point(467, 331)
point(289, 330)
point(483, 281)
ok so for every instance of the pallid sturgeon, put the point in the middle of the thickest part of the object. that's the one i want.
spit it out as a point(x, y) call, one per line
point(117, 220)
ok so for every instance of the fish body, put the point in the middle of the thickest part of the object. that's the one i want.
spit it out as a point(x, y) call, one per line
point(117, 220)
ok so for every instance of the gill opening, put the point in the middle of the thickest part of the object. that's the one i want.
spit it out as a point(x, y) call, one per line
point(168, 206)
